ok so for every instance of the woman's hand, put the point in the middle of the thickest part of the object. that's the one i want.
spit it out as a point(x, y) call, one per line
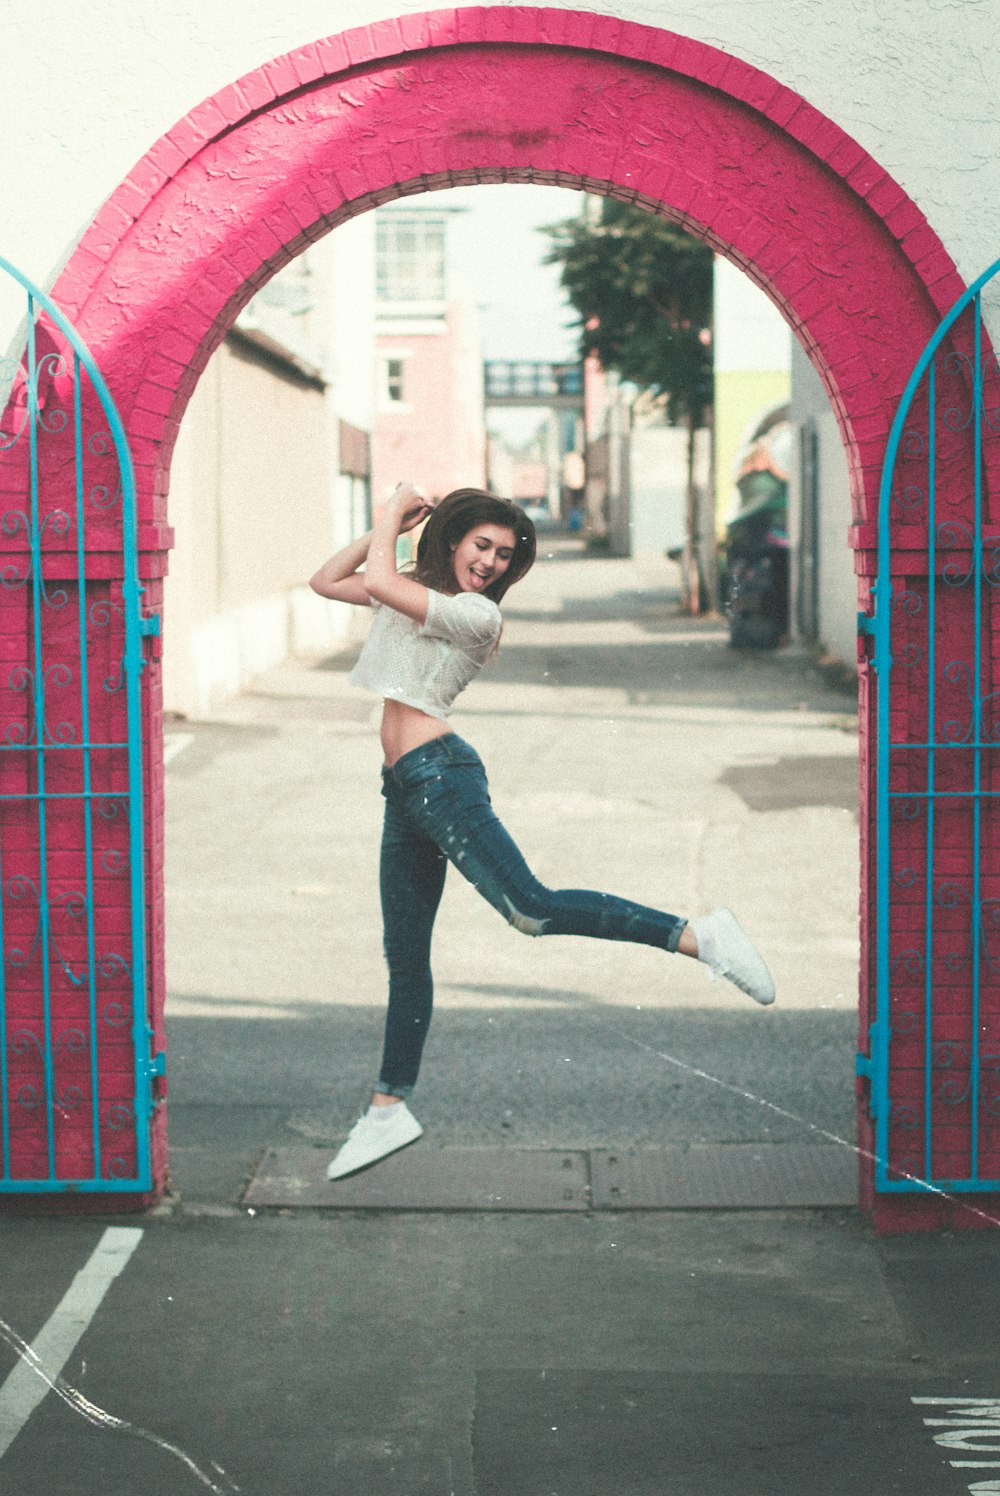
point(383, 582)
point(340, 579)
point(411, 506)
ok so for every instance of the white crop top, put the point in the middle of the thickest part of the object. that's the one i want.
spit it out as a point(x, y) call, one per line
point(426, 665)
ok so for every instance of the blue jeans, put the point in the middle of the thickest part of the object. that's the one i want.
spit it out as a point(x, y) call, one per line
point(437, 810)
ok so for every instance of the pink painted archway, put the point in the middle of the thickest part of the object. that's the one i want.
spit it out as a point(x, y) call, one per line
point(245, 181)
point(277, 159)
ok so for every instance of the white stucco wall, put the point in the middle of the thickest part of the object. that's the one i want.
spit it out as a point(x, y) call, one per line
point(836, 585)
point(658, 489)
point(88, 88)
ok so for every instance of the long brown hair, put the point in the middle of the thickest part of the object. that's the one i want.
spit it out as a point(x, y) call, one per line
point(452, 519)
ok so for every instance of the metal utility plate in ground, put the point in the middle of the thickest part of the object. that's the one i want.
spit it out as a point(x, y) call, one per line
point(695, 1177)
point(426, 1178)
point(734, 1176)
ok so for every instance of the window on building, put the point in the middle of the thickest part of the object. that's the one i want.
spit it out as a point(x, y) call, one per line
point(393, 384)
point(410, 257)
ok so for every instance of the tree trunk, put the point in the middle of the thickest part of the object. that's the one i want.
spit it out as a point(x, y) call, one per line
point(693, 598)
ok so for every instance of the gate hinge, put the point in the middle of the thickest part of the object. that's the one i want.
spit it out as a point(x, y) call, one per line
point(149, 628)
point(864, 1067)
point(866, 636)
point(864, 1070)
point(156, 1070)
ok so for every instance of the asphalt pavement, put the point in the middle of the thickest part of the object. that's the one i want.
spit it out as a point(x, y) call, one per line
point(492, 1318)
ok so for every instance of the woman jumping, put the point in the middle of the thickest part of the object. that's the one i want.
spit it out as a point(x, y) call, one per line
point(433, 630)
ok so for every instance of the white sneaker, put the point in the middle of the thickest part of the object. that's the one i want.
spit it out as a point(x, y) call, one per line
point(378, 1133)
point(728, 951)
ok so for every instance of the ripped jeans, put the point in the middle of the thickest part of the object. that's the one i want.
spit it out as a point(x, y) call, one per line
point(438, 811)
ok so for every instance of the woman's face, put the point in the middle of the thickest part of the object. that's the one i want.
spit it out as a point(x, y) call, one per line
point(482, 556)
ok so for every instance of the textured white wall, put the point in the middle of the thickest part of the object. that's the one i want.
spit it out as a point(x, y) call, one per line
point(88, 88)
point(836, 582)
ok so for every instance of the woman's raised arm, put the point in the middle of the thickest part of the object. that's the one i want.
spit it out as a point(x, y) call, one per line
point(403, 511)
point(340, 579)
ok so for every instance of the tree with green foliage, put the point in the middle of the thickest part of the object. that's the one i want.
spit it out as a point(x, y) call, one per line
point(642, 289)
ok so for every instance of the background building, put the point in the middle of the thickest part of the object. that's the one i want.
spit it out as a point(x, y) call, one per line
point(543, 466)
point(279, 424)
point(823, 587)
point(752, 347)
point(429, 425)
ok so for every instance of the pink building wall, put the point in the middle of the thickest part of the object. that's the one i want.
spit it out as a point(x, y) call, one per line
point(436, 436)
point(529, 480)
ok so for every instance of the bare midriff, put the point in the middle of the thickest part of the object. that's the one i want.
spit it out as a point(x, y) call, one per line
point(405, 728)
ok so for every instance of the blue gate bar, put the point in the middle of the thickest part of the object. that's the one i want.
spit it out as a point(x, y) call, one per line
point(4, 1078)
point(977, 731)
point(38, 690)
point(931, 734)
point(88, 830)
point(63, 747)
point(70, 795)
point(942, 794)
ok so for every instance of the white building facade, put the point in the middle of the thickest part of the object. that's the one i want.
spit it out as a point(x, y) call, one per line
point(281, 423)
point(896, 77)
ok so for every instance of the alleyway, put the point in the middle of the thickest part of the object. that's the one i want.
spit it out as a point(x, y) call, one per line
point(629, 749)
point(272, 1344)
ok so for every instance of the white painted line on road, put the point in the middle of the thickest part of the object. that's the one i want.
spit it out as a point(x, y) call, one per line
point(30, 1380)
point(972, 1426)
point(175, 743)
point(18, 1400)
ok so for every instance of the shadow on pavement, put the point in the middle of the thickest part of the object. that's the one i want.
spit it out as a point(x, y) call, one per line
point(572, 1076)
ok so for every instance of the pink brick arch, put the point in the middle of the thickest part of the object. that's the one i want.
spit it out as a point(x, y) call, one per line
point(251, 176)
point(247, 179)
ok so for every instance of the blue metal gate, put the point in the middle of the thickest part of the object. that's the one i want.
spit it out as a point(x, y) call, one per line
point(934, 1066)
point(76, 1068)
